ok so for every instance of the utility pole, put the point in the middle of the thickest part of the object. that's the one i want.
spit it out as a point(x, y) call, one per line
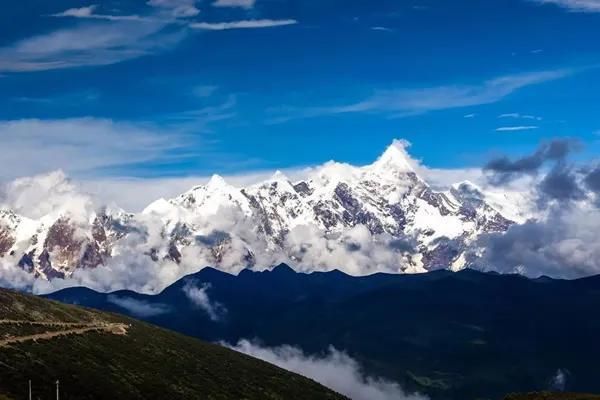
point(30, 389)
point(57, 391)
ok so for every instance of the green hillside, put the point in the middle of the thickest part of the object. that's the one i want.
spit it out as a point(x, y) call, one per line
point(97, 355)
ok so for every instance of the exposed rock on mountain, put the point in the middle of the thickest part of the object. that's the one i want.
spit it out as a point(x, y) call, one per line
point(384, 215)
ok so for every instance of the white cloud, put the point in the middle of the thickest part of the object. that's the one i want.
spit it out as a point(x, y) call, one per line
point(592, 6)
point(405, 102)
point(559, 380)
point(176, 8)
point(77, 12)
point(335, 370)
point(520, 116)
point(247, 4)
point(245, 24)
point(37, 196)
point(565, 245)
point(516, 128)
point(198, 295)
point(356, 251)
point(88, 13)
point(444, 97)
point(98, 43)
point(211, 113)
point(381, 28)
point(139, 308)
point(83, 144)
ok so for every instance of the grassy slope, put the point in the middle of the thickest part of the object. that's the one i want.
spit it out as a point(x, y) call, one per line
point(147, 363)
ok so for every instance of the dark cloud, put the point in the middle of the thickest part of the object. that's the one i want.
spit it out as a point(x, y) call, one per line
point(592, 180)
point(564, 243)
point(560, 184)
point(503, 170)
point(352, 246)
point(214, 238)
point(404, 244)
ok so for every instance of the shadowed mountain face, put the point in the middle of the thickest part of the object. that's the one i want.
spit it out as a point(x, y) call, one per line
point(450, 335)
point(97, 355)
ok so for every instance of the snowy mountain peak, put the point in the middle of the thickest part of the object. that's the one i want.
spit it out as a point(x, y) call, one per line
point(216, 181)
point(160, 207)
point(395, 158)
point(467, 187)
point(380, 217)
point(279, 176)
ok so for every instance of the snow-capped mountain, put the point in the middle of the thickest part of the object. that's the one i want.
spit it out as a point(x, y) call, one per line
point(380, 217)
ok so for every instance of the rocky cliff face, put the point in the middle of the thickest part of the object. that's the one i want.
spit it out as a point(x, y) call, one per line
point(385, 204)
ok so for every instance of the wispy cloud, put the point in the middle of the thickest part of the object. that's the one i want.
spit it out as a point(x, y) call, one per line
point(198, 296)
point(85, 145)
point(80, 12)
point(176, 8)
point(247, 4)
point(110, 39)
point(139, 308)
point(586, 6)
point(88, 13)
point(381, 29)
point(406, 102)
point(98, 43)
point(61, 100)
point(520, 116)
point(516, 128)
point(244, 24)
point(211, 113)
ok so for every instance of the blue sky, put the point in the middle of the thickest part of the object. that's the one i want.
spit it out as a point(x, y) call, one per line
point(186, 88)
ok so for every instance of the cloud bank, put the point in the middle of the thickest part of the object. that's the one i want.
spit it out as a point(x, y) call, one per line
point(564, 242)
point(335, 370)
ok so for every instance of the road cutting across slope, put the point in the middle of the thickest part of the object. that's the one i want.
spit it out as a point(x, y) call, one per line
point(75, 328)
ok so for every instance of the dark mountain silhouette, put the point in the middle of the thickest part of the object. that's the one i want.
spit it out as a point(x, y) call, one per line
point(451, 335)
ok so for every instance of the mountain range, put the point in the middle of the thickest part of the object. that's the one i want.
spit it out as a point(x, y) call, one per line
point(449, 335)
point(379, 217)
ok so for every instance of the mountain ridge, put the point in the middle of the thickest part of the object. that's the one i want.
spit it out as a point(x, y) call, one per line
point(445, 334)
point(379, 217)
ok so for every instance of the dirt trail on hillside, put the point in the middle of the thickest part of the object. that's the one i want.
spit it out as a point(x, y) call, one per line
point(76, 329)
point(45, 323)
